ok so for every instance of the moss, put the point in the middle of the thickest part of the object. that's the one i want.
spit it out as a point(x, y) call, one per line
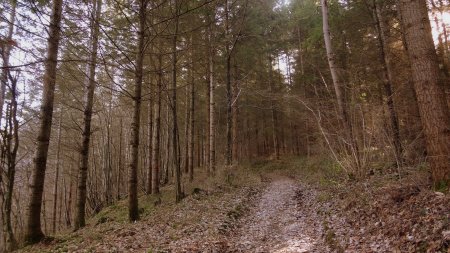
point(236, 213)
point(442, 186)
point(422, 247)
point(40, 237)
point(102, 219)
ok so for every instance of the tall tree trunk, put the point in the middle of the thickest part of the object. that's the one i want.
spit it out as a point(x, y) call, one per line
point(331, 62)
point(429, 88)
point(108, 170)
point(235, 116)
point(186, 130)
point(133, 212)
point(68, 199)
point(228, 151)
point(208, 119)
point(212, 130)
point(6, 53)
point(300, 51)
point(276, 141)
point(150, 143)
point(192, 119)
point(175, 146)
point(80, 220)
point(108, 153)
point(11, 146)
point(61, 201)
point(120, 162)
point(167, 137)
point(5, 206)
point(55, 186)
point(387, 79)
point(34, 232)
point(157, 130)
point(343, 115)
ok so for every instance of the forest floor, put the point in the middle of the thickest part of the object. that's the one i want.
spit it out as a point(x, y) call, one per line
point(293, 205)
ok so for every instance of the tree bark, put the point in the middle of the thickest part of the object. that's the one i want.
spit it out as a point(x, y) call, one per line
point(387, 80)
point(6, 198)
point(192, 120)
point(186, 129)
point(156, 129)
point(6, 53)
point(228, 151)
point(331, 62)
point(150, 143)
point(168, 139)
point(55, 186)
point(429, 88)
point(212, 133)
point(120, 162)
point(300, 51)
point(133, 212)
point(178, 191)
point(235, 116)
point(80, 219)
point(208, 119)
point(9, 151)
point(275, 138)
point(342, 110)
point(34, 232)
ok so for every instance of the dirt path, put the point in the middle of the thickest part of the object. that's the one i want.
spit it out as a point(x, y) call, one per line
point(281, 220)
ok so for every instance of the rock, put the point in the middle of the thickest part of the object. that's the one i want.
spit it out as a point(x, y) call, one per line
point(439, 194)
point(410, 238)
point(446, 235)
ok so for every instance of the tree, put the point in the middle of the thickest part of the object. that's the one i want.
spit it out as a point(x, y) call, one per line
point(150, 143)
point(33, 231)
point(80, 220)
point(9, 148)
point(228, 55)
point(6, 53)
point(274, 114)
point(57, 171)
point(429, 88)
point(173, 105)
point(342, 110)
point(211, 102)
point(10, 143)
point(133, 212)
point(157, 131)
point(385, 60)
point(192, 117)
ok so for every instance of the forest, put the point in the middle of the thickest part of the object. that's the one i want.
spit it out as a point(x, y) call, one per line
point(225, 126)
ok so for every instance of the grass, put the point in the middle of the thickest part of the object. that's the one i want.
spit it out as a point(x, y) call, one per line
point(316, 170)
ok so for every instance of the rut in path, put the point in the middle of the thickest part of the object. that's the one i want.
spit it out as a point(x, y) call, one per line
point(279, 222)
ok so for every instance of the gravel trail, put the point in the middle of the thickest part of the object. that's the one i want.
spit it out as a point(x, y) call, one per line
point(282, 220)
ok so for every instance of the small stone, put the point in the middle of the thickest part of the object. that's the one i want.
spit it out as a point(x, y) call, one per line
point(439, 194)
point(446, 235)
